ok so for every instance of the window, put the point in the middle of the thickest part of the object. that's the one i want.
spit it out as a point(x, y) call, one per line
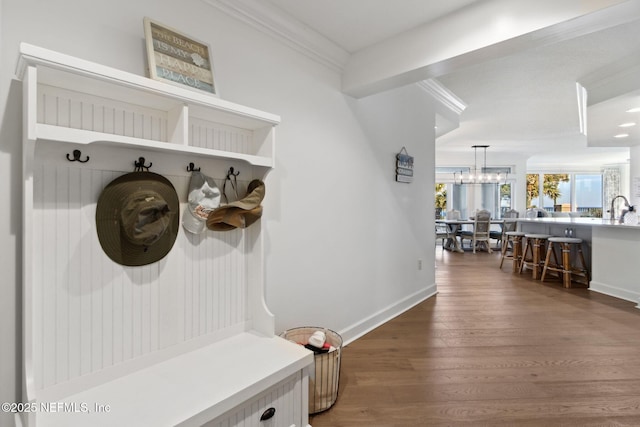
point(556, 192)
point(505, 199)
point(589, 195)
point(458, 199)
point(467, 197)
point(566, 193)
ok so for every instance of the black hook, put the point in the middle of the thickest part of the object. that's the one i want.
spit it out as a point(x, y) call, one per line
point(231, 173)
point(76, 157)
point(140, 165)
point(232, 178)
point(192, 168)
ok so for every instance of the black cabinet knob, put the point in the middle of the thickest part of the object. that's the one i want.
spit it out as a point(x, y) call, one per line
point(268, 414)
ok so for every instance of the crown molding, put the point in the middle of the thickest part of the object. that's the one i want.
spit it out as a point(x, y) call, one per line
point(443, 95)
point(617, 12)
point(612, 80)
point(286, 29)
point(582, 96)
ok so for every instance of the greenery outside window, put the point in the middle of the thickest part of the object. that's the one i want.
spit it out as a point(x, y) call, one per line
point(505, 199)
point(533, 190)
point(441, 200)
point(566, 193)
point(556, 192)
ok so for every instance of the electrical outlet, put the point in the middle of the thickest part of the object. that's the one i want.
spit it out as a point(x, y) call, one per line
point(419, 264)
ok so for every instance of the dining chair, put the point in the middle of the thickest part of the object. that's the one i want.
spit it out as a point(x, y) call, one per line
point(453, 214)
point(481, 231)
point(441, 233)
point(536, 213)
point(511, 213)
point(499, 235)
point(509, 224)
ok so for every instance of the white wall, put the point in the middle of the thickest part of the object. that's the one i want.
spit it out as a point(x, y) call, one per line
point(343, 239)
point(10, 189)
point(351, 249)
point(626, 184)
point(634, 175)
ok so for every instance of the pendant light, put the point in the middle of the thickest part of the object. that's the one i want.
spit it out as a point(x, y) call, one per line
point(479, 176)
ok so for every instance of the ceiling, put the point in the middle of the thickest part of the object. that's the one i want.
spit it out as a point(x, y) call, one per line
point(524, 104)
point(527, 103)
point(355, 24)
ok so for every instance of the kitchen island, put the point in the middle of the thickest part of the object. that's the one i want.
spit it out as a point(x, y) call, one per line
point(611, 251)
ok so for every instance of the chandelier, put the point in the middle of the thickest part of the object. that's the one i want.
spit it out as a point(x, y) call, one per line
point(482, 175)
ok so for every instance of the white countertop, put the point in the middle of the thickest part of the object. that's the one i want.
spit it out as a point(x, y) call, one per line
point(594, 222)
point(611, 250)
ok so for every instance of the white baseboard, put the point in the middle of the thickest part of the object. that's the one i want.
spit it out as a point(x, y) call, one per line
point(355, 331)
point(613, 291)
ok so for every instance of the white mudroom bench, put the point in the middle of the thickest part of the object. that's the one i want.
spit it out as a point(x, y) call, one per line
point(185, 341)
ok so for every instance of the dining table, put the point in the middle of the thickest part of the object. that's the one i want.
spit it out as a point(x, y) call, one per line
point(453, 226)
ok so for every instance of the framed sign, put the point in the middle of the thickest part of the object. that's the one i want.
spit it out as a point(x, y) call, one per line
point(404, 166)
point(178, 59)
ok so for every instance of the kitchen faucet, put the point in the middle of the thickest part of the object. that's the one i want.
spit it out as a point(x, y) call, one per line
point(613, 214)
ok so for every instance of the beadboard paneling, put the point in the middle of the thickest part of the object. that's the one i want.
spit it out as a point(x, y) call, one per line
point(66, 108)
point(91, 313)
point(206, 134)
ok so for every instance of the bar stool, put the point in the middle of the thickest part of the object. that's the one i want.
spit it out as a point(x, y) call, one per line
point(533, 253)
point(567, 270)
point(512, 248)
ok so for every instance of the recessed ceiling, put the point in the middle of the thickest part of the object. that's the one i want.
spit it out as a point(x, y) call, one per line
point(525, 104)
point(606, 120)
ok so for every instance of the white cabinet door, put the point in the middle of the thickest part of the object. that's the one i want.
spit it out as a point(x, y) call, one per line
point(279, 406)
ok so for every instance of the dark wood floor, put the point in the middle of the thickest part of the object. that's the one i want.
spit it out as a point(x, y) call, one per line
point(495, 349)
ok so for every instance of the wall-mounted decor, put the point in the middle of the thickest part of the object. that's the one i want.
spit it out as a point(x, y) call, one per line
point(404, 166)
point(178, 59)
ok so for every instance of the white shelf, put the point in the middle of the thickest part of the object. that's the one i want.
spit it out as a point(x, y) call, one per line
point(64, 70)
point(82, 102)
point(76, 136)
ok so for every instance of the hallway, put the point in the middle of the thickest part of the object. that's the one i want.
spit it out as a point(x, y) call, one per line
point(495, 349)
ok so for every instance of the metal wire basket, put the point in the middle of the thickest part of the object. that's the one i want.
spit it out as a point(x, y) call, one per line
point(325, 378)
